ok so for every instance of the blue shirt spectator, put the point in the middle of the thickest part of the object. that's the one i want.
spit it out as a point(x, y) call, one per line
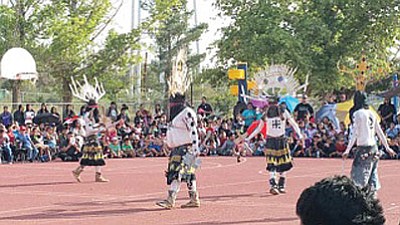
point(249, 115)
point(392, 131)
point(6, 117)
point(26, 142)
point(24, 138)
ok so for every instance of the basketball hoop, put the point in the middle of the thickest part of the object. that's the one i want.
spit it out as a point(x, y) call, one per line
point(18, 64)
point(32, 77)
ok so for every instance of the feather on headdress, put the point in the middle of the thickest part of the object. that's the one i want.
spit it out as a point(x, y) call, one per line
point(179, 80)
point(280, 78)
point(87, 92)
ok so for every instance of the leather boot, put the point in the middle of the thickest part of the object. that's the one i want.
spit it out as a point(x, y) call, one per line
point(77, 173)
point(168, 203)
point(100, 178)
point(194, 200)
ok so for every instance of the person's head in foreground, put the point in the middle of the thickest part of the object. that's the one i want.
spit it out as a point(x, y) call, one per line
point(338, 201)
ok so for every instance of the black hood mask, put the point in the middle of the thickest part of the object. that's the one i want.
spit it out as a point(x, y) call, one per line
point(360, 101)
point(176, 104)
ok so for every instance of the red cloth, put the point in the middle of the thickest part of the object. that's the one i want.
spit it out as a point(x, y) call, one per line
point(254, 125)
point(340, 147)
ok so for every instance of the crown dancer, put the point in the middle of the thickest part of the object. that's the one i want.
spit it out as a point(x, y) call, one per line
point(277, 151)
point(92, 150)
point(182, 137)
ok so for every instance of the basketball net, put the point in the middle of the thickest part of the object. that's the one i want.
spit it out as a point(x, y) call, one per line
point(27, 76)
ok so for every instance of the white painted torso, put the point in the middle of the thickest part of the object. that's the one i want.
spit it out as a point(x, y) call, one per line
point(178, 132)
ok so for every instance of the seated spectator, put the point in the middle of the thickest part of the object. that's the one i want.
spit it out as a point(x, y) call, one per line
point(239, 124)
point(25, 141)
point(344, 131)
point(148, 150)
point(259, 146)
point(228, 147)
point(329, 149)
point(321, 129)
point(146, 115)
point(5, 145)
point(127, 148)
point(225, 128)
point(332, 130)
point(222, 137)
point(156, 145)
point(392, 132)
point(112, 112)
point(69, 149)
point(340, 146)
point(154, 128)
point(316, 146)
point(54, 112)
point(115, 148)
point(38, 141)
point(296, 146)
point(138, 129)
point(162, 124)
point(394, 144)
point(137, 145)
point(50, 139)
point(158, 112)
point(11, 135)
point(338, 200)
point(79, 132)
point(124, 115)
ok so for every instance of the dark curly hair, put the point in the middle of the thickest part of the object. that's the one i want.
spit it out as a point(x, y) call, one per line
point(337, 200)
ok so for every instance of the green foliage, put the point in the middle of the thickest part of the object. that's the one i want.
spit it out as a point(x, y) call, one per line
point(216, 77)
point(63, 37)
point(311, 35)
point(171, 32)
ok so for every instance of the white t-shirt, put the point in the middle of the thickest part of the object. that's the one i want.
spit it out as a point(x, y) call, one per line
point(29, 115)
point(365, 127)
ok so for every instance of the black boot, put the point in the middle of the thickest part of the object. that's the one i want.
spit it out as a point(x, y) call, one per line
point(274, 188)
point(281, 185)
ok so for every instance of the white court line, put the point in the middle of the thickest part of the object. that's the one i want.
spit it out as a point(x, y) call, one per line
point(126, 170)
point(392, 208)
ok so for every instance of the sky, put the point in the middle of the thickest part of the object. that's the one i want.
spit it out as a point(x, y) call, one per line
point(205, 11)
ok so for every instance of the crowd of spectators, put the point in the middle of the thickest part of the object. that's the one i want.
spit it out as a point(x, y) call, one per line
point(143, 133)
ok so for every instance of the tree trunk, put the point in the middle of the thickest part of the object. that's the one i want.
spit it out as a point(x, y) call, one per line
point(67, 96)
point(16, 93)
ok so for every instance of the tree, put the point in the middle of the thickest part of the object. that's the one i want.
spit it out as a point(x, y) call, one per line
point(72, 49)
point(312, 35)
point(172, 33)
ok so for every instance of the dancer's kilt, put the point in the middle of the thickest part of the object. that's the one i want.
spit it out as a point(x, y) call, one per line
point(278, 154)
point(177, 170)
point(92, 153)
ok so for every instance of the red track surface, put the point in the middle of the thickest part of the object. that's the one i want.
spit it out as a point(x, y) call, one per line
point(231, 193)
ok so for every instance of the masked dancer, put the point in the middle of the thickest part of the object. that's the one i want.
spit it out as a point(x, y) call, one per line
point(182, 138)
